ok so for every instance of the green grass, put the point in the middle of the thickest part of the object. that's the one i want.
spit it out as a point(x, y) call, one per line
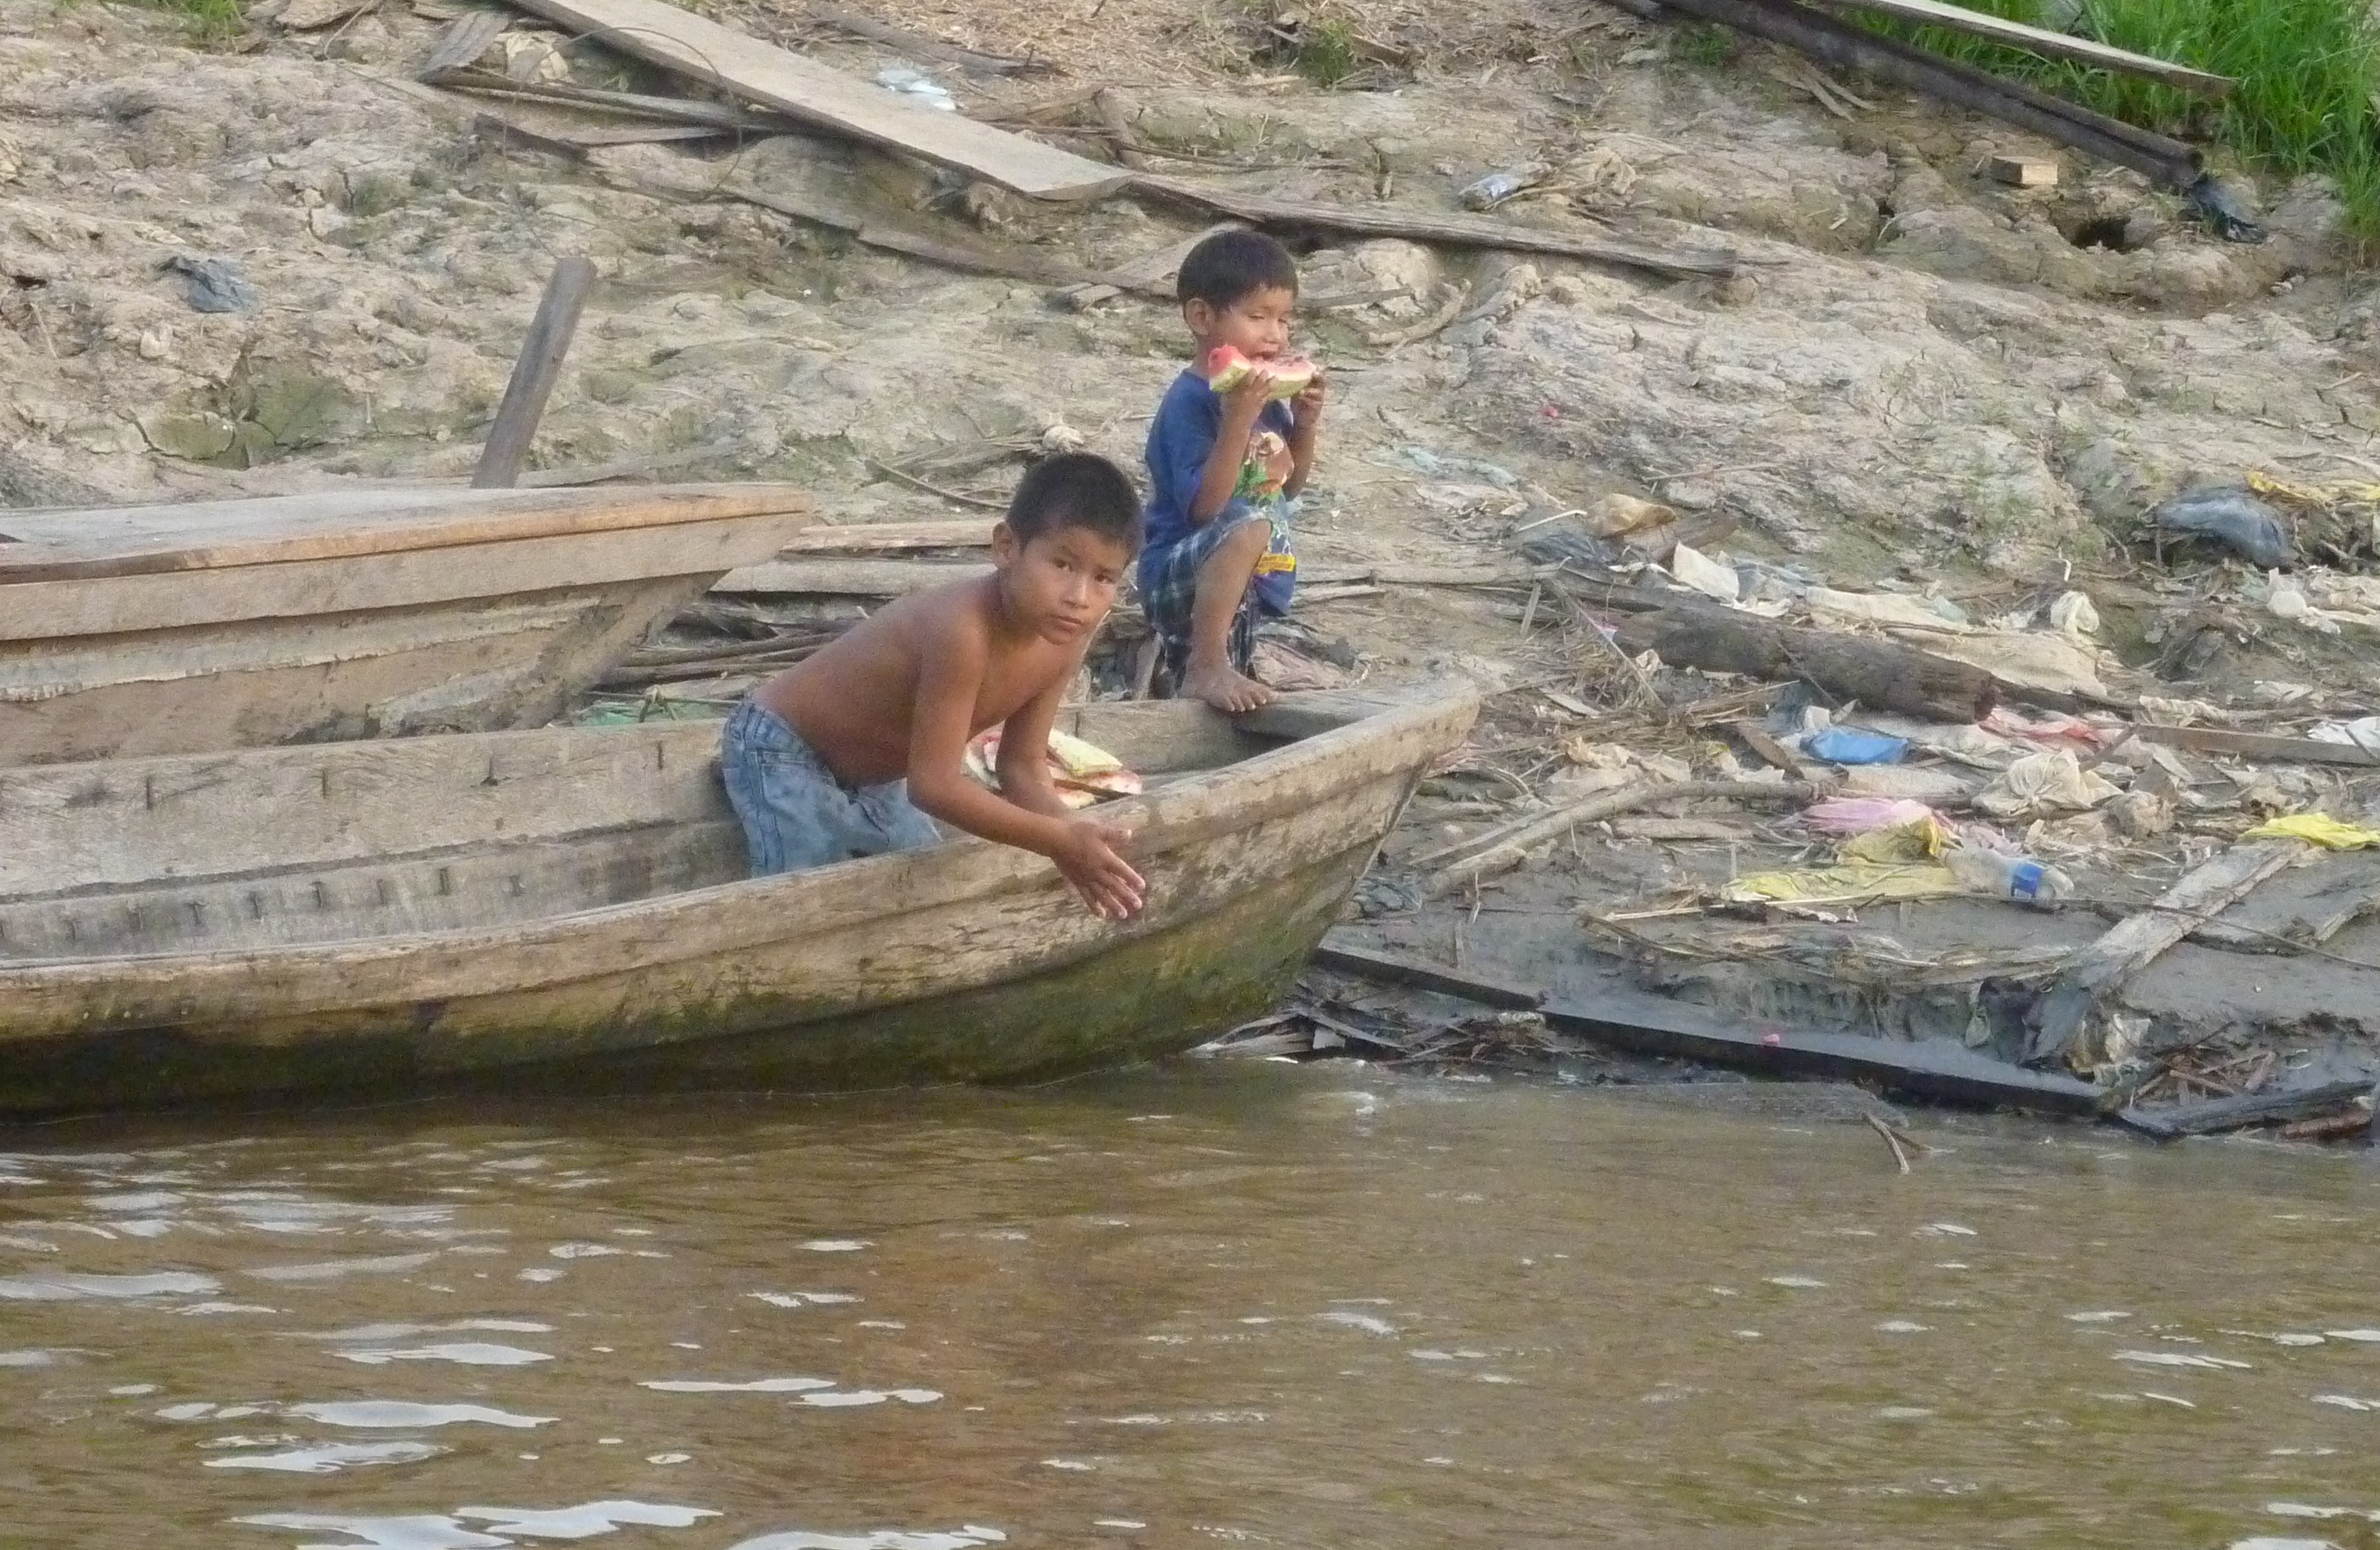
point(1704, 43)
point(1325, 52)
point(207, 21)
point(2307, 71)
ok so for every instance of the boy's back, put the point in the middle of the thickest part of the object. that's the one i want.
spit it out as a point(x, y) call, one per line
point(855, 700)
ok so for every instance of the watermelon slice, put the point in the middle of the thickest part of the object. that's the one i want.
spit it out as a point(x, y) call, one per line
point(1082, 771)
point(1225, 368)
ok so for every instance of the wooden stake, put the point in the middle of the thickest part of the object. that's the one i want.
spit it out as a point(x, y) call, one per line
point(1881, 1128)
point(533, 374)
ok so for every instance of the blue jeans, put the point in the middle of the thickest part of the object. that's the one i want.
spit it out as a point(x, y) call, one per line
point(796, 813)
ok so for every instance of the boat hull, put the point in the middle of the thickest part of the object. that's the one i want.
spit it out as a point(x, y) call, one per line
point(963, 962)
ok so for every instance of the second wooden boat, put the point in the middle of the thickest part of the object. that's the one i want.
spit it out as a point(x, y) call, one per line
point(567, 909)
point(345, 613)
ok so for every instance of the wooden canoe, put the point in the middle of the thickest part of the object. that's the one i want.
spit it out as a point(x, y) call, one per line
point(349, 613)
point(567, 909)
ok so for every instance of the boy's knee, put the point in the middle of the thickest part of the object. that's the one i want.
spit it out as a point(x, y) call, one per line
point(1242, 545)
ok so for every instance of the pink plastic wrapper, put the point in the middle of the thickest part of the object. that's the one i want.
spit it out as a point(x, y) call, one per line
point(2053, 730)
point(1860, 815)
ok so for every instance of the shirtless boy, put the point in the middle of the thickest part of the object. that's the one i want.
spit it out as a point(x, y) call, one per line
point(850, 752)
point(1224, 472)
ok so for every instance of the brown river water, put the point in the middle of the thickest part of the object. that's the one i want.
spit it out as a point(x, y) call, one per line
point(1214, 1304)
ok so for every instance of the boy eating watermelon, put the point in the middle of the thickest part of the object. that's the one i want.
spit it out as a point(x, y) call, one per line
point(1231, 449)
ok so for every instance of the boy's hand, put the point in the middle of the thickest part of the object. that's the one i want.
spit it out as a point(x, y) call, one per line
point(1087, 859)
point(1307, 408)
point(1246, 399)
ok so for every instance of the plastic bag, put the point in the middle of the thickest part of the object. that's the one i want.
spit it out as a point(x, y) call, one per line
point(1848, 745)
point(2232, 517)
point(1693, 568)
point(1860, 815)
point(2044, 783)
point(2315, 829)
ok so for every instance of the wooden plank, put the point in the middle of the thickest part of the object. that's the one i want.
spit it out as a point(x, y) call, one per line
point(1937, 1070)
point(1150, 275)
point(471, 664)
point(535, 369)
point(737, 62)
point(318, 590)
point(1934, 1069)
point(689, 111)
point(2025, 172)
point(1769, 752)
point(72, 543)
point(847, 577)
point(1397, 970)
point(863, 538)
point(1884, 675)
point(2037, 40)
point(687, 178)
point(916, 45)
point(2255, 745)
point(2248, 1109)
point(1506, 847)
point(2057, 1019)
point(554, 135)
point(464, 40)
point(1458, 231)
point(1832, 41)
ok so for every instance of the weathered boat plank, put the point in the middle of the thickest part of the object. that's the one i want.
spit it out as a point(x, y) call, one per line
point(351, 613)
point(64, 543)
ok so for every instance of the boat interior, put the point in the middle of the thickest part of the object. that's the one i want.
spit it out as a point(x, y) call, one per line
point(350, 841)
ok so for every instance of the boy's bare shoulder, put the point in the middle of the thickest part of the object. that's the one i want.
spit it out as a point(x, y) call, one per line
point(956, 616)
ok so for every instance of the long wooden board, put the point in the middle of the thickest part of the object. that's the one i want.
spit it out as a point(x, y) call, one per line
point(803, 89)
point(2255, 745)
point(1935, 1069)
point(1420, 226)
point(847, 578)
point(862, 537)
point(2057, 45)
point(71, 544)
point(2101, 969)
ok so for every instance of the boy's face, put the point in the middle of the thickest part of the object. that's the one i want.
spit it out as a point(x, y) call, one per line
point(1256, 324)
point(1062, 583)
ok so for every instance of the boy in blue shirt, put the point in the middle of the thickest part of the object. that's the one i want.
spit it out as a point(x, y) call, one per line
point(1224, 471)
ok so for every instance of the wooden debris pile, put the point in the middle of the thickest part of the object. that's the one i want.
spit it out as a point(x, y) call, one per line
point(1810, 757)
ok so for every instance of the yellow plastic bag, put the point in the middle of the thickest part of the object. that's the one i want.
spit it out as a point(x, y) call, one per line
point(1851, 882)
point(2315, 829)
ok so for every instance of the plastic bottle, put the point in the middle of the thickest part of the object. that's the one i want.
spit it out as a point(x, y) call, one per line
point(1497, 187)
point(2001, 875)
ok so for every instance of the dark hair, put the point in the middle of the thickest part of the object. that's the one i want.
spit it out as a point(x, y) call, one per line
point(1226, 267)
point(1076, 490)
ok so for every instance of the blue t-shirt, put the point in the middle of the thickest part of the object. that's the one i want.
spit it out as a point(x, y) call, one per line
point(1188, 420)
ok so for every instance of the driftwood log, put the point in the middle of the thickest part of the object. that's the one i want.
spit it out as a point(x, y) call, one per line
point(1880, 674)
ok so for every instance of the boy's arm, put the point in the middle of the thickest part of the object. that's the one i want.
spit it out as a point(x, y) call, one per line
point(952, 661)
point(1305, 429)
point(1220, 475)
point(1024, 765)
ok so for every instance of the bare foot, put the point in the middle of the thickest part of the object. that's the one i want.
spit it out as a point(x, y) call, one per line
point(1226, 690)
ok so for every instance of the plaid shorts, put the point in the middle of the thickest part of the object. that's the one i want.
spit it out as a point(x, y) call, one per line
point(1168, 586)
